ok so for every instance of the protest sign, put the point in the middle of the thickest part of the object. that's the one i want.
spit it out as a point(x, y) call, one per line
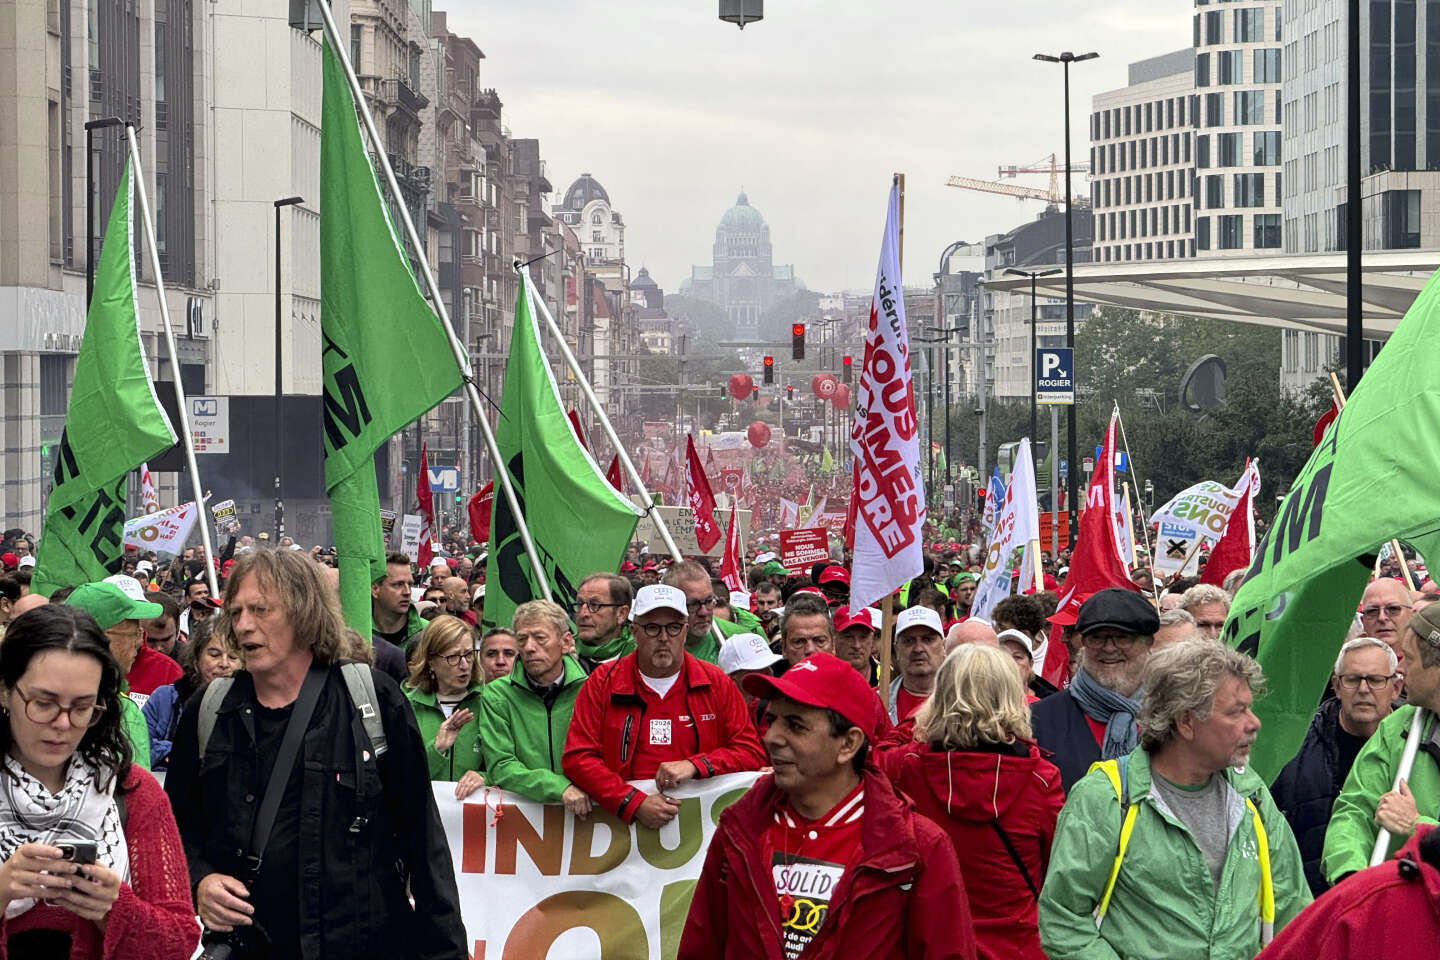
point(410, 536)
point(387, 525)
point(163, 532)
point(1197, 512)
point(682, 528)
point(800, 548)
point(537, 882)
point(225, 519)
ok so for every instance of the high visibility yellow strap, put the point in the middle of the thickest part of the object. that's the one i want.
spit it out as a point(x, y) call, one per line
point(1111, 769)
point(1267, 882)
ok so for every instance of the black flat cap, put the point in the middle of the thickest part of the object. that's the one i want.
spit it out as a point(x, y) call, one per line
point(1117, 609)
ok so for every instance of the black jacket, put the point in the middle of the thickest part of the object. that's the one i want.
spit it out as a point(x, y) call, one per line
point(1058, 725)
point(367, 828)
point(1306, 789)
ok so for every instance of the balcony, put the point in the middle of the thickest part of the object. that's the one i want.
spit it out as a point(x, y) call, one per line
point(398, 92)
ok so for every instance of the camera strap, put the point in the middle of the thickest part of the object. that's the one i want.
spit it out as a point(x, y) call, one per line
point(284, 764)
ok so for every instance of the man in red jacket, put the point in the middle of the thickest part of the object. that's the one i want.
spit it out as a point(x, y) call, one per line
point(656, 712)
point(823, 858)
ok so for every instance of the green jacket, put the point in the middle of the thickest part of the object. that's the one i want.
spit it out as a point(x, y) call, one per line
point(707, 648)
point(747, 622)
point(612, 649)
point(465, 751)
point(1350, 838)
point(523, 739)
point(1165, 903)
point(133, 722)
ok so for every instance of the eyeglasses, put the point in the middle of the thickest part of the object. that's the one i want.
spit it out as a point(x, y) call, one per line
point(1352, 681)
point(698, 604)
point(1391, 610)
point(1122, 642)
point(1210, 624)
point(41, 710)
point(594, 606)
point(652, 631)
point(455, 659)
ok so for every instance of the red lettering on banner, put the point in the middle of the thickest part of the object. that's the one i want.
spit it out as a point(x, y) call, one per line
point(473, 820)
point(545, 848)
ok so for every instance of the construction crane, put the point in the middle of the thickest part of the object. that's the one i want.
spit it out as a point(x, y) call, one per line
point(1053, 195)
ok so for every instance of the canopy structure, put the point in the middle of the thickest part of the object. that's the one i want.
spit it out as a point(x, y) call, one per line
point(1299, 291)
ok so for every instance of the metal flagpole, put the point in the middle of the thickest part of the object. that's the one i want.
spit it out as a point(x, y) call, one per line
point(461, 352)
point(154, 252)
point(1144, 520)
point(538, 303)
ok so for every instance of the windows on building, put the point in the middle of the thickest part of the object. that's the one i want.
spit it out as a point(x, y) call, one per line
point(1214, 191)
point(1227, 149)
point(1249, 107)
point(1267, 148)
point(1232, 236)
point(1214, 26)
point(1266, 67)
point(1228, 66)
point(1267, 231)
point(1214, 109)
point(1250, 25)
point(1202, 233)
point(1249, 190)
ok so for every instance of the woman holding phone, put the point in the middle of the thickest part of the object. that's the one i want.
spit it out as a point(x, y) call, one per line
point(91, 863)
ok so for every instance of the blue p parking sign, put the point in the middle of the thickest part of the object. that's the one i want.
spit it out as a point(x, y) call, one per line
point(1055, 375)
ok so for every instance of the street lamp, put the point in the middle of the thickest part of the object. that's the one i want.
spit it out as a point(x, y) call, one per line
point(90, 127)
point(1034, 344)
point(741, 12)
point(945, 334)
point(1065, 59)
point(279, 390)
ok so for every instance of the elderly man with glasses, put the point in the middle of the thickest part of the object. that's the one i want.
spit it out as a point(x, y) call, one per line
point(602, 612)
point(1385, 611)
point(659, 712)
point(1094, 718)
point(693, 580)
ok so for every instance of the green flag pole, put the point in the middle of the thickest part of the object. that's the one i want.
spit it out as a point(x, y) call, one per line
point(461, 352)
point(147, 222)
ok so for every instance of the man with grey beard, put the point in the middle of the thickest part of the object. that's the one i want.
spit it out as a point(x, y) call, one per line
point(1094, 718)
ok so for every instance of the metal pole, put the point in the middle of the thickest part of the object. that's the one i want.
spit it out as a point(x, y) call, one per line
point(1055, 484)
point(279, 389)
point(930, 417)
point(1034, 351)
point(461, 354)
point(467, 469)
point(1354, 239)
point(1071, 425)
point(90, 127)
point(945, 372)
point(149, 226)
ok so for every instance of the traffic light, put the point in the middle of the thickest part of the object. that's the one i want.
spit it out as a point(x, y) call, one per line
point(722, 391)
point(754, 393)
point(980, 500)
point(789, 392)
point(797, 341)
point(769, 369)
point(847, 362)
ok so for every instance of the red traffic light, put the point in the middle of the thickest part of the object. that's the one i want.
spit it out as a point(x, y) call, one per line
point(797, 330)
point(847, 360)
point(769, 361)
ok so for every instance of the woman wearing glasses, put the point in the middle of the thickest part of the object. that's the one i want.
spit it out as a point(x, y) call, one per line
point(444, 692)
point(90, 859)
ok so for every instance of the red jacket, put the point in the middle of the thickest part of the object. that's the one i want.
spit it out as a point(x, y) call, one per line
point(903, 898)
point(965, 793)
point(150, 671)
point(153, 917)
point(1380, 913)
point(713, 729)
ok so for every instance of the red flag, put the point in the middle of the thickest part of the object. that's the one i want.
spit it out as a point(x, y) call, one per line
point(480, 507)
point(702, 501)
point(613, 474)
point(1329, 417)
point(579, 434)
point(730, 565)
point(427, 511)
point(1236, 546)
point(1097, 561)
point(848, 531)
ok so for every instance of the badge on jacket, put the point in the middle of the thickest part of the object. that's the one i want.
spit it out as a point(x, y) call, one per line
point(659, 733)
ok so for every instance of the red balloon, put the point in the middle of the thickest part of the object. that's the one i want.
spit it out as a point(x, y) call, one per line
point(823, 385)
point(841, 397)
point(758, 434)
point(741, 385)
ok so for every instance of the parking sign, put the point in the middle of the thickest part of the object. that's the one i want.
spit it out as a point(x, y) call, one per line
point(1055, 375)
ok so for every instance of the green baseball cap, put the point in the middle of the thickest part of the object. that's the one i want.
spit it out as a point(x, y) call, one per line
point(960, 578)
point(109, 603)
point(773, 567)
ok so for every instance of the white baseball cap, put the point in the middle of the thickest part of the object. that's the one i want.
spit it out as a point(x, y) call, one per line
point(918, 617)
point(765, 557)
point(747, 651)
point(129, 586)
point(27, 561)
point(739, 598)
point(657, 596)
point(1020, 637)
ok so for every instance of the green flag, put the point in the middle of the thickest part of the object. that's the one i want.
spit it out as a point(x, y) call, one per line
point(113, 422)
point(1371, 478)
point(827, 462)
point(578, 522)
point(386, 358)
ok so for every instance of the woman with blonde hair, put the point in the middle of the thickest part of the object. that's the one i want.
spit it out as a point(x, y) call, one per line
point(444, 692)
point(975, 771)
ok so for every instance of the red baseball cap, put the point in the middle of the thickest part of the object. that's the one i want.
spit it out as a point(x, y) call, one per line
point(825, 681)
point(9, 560)
point(844, 619)
point(808, 589)
point(835, 574)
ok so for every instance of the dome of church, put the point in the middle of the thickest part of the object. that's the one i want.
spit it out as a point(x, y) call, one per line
point(643, 279)
point(582, 191)
point(742, 218)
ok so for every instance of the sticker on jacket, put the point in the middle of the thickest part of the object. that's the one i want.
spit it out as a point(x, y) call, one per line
point(659, 733)
point(804, 887)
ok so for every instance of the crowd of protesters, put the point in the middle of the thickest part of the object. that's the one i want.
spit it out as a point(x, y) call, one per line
point(963, 806)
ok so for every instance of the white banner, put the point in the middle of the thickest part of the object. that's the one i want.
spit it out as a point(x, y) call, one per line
point(1197, 512)
point(149, 499)
point(889, 491)
point(1017, 525)
point(163, 532)
point(539, 883)
point(789, 514)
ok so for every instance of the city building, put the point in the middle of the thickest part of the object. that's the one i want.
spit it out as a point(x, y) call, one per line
point(742, 277)
point(1141, 165)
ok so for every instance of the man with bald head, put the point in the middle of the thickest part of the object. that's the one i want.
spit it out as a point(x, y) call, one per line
point(1385, 611)
point(28, 602)
point(457, 599)
point(970, 631)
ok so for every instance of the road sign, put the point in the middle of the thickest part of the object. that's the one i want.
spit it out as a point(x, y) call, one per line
point(1055, 375)
point(1089, 464)
point(1120, 463)
point(1064, 470)
point(444, 479)
point(210, 424)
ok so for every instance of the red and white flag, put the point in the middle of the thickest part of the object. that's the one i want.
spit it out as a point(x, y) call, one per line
point(1236, 547)
point(730, 565)
point(888, 495)
point(427, 512)
point(149, 499)
point(1098, 561)
point(702, 501)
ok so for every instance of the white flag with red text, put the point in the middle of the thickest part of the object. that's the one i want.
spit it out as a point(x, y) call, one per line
point(1017, 526)
point(888, 495)
point(149, 499)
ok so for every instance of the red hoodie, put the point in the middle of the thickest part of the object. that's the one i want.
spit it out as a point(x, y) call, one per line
point(1381, 913)
point(969, 794)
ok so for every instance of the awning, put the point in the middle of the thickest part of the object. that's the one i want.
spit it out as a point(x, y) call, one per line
point(1299, 291)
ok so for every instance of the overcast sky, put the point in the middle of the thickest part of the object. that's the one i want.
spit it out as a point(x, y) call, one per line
point(809, 110)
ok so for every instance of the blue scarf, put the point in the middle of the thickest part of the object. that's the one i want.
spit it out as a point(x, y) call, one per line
point(1104, 705)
